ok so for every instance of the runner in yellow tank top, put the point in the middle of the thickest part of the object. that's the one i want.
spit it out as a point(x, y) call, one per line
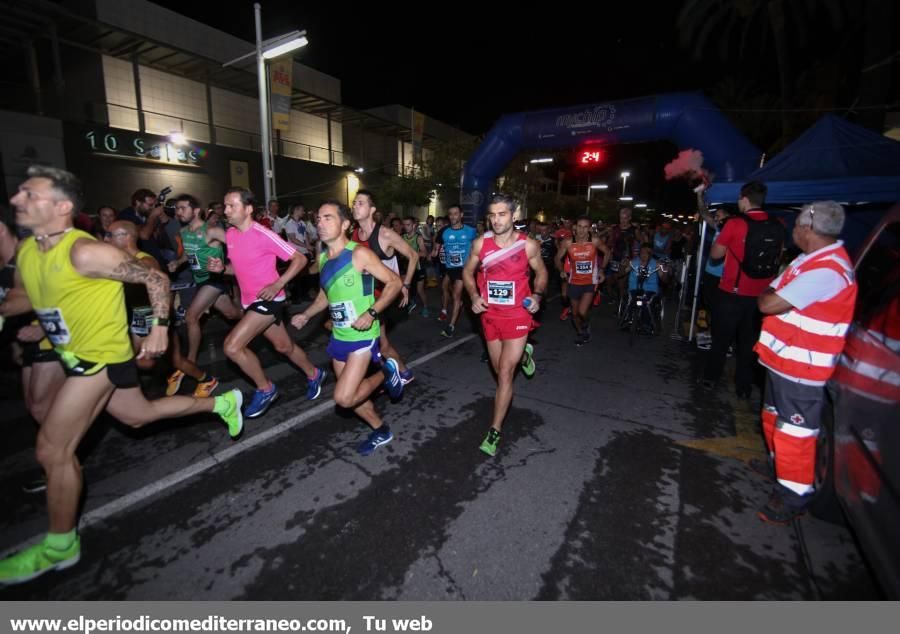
point(74, 283)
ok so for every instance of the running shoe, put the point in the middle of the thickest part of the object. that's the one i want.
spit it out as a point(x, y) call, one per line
point(173, 383)
point(426, 313)
point(228, 407)
point(406, 377)
point(443, 315)
point(528, 365)
point(412, 306)
point(565, 313)
point(378, 437)
point(490, 442)
point(393, 383)
point(448, 331)
point(261, 401)
point(37, 560)
point(314, 386)
point(205, 389)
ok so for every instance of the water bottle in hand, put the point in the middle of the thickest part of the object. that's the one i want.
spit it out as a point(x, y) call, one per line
point(526, 303)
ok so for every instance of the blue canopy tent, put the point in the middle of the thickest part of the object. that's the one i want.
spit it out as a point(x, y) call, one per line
point(833, 160)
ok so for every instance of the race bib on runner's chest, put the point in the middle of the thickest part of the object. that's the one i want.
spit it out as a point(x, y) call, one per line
point(54, 325)
point(501, 293)
point(343, 314)
point(194, 261)
point(456, 259)
point(584, 267)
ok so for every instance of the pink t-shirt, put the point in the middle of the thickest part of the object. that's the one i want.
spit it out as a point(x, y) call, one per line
point(252, 254)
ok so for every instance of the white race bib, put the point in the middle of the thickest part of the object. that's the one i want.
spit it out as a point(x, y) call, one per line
point(194, 261)
point(54, 325)
point(140, 318)
point(456, 260)
point(501, 293)
point(584, 267)
point(343, 314)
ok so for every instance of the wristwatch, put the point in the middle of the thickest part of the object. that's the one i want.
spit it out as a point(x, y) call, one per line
point(373, 312)
point(160, 321)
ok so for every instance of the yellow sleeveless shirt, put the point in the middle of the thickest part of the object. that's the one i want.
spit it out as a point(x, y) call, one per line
point(80, 315)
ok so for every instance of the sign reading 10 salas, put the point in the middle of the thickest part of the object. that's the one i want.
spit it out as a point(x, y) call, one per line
point(143, 147)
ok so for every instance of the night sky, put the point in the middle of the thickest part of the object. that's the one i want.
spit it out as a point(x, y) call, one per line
point(458, 64)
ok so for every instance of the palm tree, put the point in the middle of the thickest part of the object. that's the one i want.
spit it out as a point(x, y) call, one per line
point(699, 19)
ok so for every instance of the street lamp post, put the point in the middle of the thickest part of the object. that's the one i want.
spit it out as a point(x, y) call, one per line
point(525, 197)
point(265, 50)
point(591, 187)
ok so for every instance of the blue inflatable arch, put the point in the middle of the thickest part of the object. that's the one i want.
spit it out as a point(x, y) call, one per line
point(688, 120)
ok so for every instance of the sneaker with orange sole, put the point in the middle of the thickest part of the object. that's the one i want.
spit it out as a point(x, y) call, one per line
point(173, 383)
point(205, 389)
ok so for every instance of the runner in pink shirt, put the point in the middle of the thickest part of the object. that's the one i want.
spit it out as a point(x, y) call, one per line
point(252, 251)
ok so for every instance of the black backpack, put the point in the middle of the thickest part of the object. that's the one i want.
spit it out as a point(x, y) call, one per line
point(762, 248)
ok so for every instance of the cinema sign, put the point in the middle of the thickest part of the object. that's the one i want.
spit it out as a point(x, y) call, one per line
point(143, 147)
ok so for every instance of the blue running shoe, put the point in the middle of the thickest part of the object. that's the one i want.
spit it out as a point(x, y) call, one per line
point(393, 383)
point(380, 436)
point(260, 402)
point(406, 377)
point(314, 386)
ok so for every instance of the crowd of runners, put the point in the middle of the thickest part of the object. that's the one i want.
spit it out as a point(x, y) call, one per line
point(89, 311)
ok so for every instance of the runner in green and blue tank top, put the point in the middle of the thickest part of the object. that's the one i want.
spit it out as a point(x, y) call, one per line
point(200, 243)
point(348, 272)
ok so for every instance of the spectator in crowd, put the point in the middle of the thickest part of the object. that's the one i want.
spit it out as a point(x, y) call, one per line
point(737, 317)
point(105, 217)
point(147, 213)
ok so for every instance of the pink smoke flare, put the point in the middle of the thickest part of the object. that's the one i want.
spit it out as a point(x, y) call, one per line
point(688, 165)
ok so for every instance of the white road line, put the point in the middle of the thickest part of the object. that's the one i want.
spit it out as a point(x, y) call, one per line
point(120, 504)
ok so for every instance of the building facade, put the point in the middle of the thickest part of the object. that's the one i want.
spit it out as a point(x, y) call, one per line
point(128, 94)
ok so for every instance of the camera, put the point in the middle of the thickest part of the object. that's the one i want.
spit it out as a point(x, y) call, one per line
point(163, 194)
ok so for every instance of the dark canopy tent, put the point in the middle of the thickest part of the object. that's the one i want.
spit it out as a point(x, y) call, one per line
point(833, 160)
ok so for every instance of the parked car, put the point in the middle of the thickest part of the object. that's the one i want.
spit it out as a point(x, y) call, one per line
point(858, 460)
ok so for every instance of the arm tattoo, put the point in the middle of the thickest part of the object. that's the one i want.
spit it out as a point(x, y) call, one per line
point(131, 272)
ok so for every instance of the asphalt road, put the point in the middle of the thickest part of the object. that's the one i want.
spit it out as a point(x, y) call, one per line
point(617, 478)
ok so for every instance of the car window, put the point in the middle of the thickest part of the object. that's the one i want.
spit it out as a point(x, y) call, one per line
point(878, 276)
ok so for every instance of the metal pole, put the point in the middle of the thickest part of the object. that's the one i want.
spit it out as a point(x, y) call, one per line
point(697, 281)
point(263, 109)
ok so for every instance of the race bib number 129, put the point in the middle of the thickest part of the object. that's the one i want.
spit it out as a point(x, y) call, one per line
point(501, 293)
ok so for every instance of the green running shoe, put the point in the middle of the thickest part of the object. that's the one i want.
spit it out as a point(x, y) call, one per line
point(489, 445)
point(36, 560)
point(228, 407)
point(528, 366)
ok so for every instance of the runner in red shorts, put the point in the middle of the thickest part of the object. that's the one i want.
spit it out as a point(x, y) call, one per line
point(505, 301)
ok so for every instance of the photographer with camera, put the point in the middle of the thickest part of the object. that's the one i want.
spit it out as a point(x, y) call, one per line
point(148, 214)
